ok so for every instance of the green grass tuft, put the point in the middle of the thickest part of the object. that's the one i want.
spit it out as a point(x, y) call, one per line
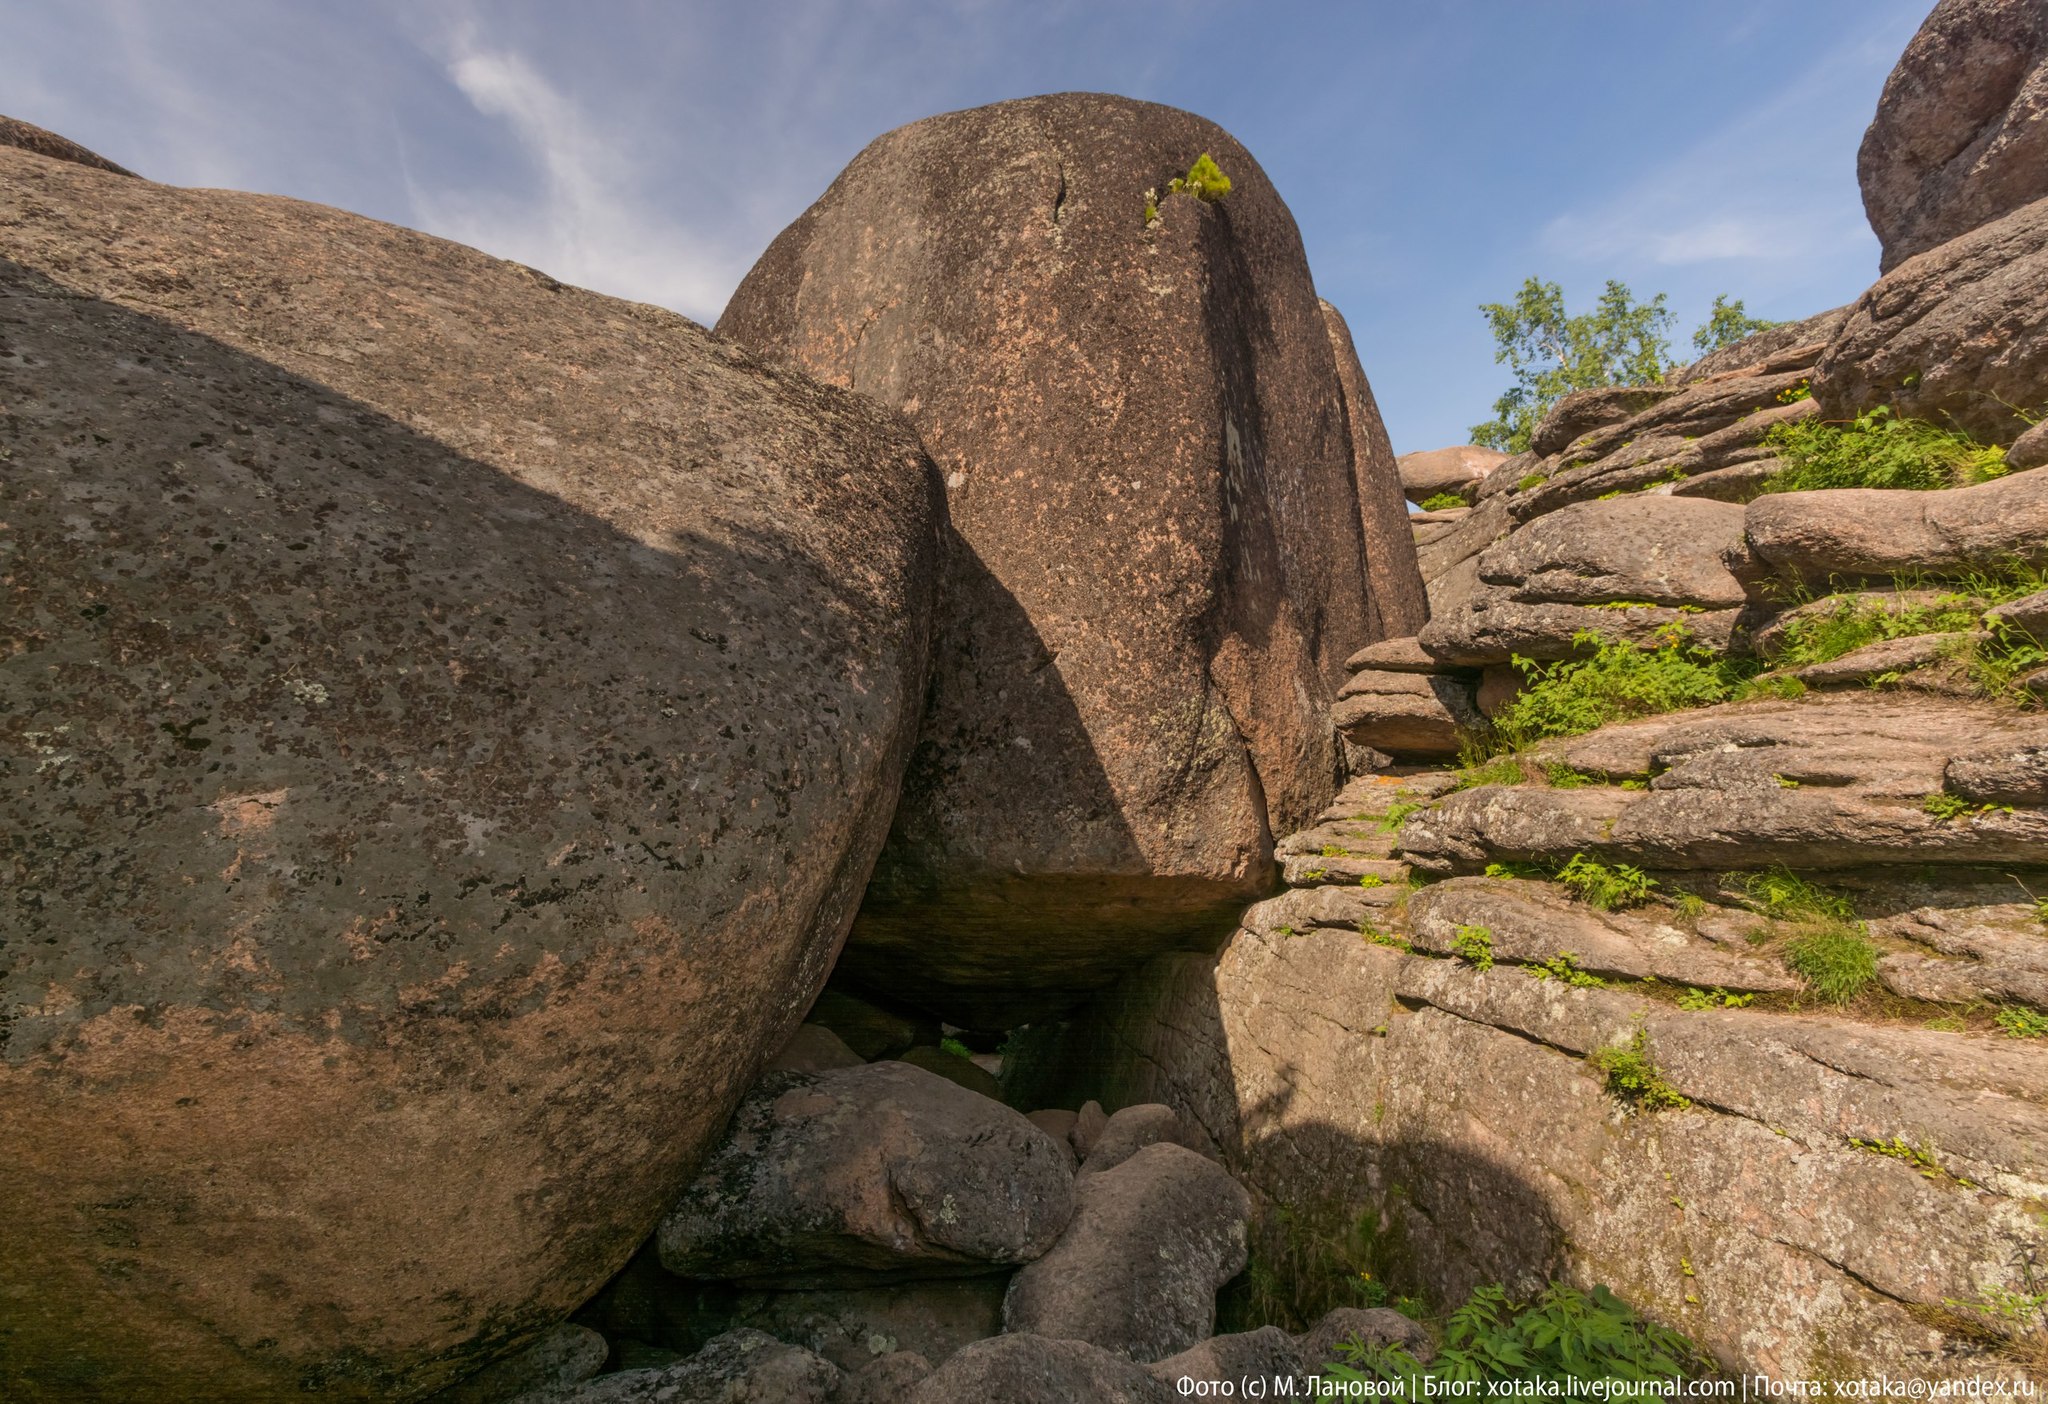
point(1442, 502)
point(1878, 450)
point(1607, 888)
point(1838, 962)
point(1617, 682)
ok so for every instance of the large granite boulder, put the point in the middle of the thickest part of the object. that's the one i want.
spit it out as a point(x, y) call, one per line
point(856, 1176)
point(1961, 132)
point(1458, 469)
point(1958, 334)
point(1393, 580)
point(1872, 533)
point(1158, 568)
point(451, 719)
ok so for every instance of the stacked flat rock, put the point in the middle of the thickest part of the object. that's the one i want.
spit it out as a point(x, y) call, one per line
point(1403, 701)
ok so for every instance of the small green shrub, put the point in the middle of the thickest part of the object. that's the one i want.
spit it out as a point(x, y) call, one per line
point(1441, 502)
point(955, 1047)
point(1315, 874)
point(1335, 850)
point(1565, 777)
point(1878, 450)
point(2016, 1022)
point(1633, 1078)
point(1565, 966)
point(1608, 888)
point(1397, 814)
point(1838, 962)
point(1618, 681)
point(1897, 1149)
point(1947, 807)
point(1474, 945)
point(1854, 623)
point(1204, 180)
point(1531, 480)
point(1372, 880)
point(1716, 998)
point(1561, 1335)
point(1690, 905)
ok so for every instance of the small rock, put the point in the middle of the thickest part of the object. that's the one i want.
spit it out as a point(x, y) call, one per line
point(955, 1069)
point(1394, 656)
point(1263, 1355)
point(2028, 616)
point(1059, 1125)
point(2029, 450)
point(2012, 774)
point(1137, 1270)
point(835, 1179)
point(1032, 1369)
point(1406, 714)
point(739, 1367)
point(1130, 1131)
point(1499, 685)
point(1461, 469)
point(1371, 1325)
point(867, 1028)
point(1088, 1124)
point(565, 1356)
point(888, 1380)
point(813, 1048)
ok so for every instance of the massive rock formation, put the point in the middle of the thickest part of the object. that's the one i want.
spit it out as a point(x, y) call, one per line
point(1961, 132)
point(450, 718)
point(1958, 334)
point(1393, 580)
point(1158, 568)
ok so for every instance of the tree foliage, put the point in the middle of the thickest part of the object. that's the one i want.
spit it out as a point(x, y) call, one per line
point(1726, 324)
point(1619, 342)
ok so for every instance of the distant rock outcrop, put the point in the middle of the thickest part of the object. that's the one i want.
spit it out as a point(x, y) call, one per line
point(451, 717)
point(1159, 567)
point(1961, 132)
point(1454, 470)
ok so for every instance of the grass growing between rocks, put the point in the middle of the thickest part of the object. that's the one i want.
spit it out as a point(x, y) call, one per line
point(1828, 947)
point(1442, 502)
point(1617, 681)
point(1560, 1335)
point(1633, 1078)
point(1878, 450)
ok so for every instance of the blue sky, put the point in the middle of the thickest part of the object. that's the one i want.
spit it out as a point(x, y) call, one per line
point(1434, 154)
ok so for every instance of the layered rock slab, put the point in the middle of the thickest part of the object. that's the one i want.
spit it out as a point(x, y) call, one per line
point(452, 714)
point(1159, 563)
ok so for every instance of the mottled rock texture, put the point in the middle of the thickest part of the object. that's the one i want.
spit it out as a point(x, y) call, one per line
point(1158, 568)
point(449, 719)
point(1958, 334)
point(1393, 581)
point(1458, 469)
point(1961, 132)
point(852, 1177)
point(25, 136)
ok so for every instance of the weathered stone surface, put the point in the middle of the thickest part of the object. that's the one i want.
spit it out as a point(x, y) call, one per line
point(1406, 714)
point(465, 709)
point(1961, 132)
point(1530, 923)
point(1393, 580)
point(1130, 1131)
point(1833, 780)
point(1798, 342)
point(1403, 655)
point(1958, 334)
point(1088, 1125)
point(854, 1327)
point(1137, 1270)
point(1883, 659)
point(870, 1029)
point(813, 1048)
point(565, 1356)
point(2029, 450)
point(888, 1380)
point(2028, 616)
point(1661, 560)
point(954, 1068)
point(1348, 1080)
point(1499, 685)
point(1033, 1369)
point(1583, 411)
point(1158, 566)
point(25, 136)
point(1367, 1325)
point(884, 1170)
point(1434, 471)
point(1237, 1361)
point(1853, 533)
point(1773, 637)
point(1344, 869)
point(740, 1367)
point(2009, 774)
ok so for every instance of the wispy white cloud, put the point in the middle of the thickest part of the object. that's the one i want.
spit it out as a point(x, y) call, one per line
point(1747, 190)
point(592, 215)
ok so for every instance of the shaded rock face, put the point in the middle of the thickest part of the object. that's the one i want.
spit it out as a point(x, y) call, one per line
point(1961, 132)
point(1393, 580)
point(856, 1176)
point(1958, 334)
point(450, 720)
point(1158, 566)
